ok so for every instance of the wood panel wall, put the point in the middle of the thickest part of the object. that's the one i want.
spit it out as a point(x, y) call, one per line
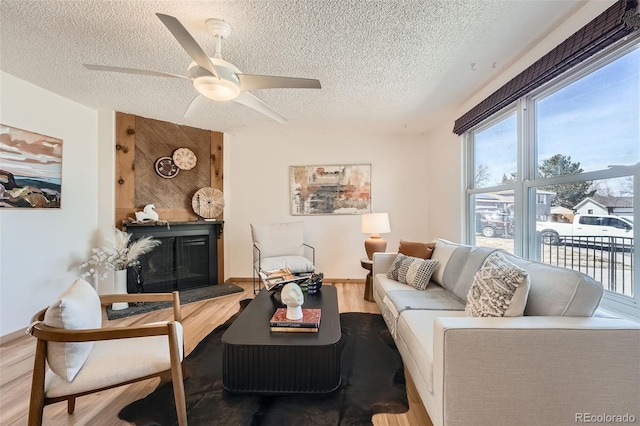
point(139, 143)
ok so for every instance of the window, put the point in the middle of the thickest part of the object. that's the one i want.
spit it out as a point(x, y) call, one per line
point(495, 153)
point(563, 189)
point(494, 173)
point(590, 220)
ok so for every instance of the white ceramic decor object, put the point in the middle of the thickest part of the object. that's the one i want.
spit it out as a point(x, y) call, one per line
point(119, 287)
point(292, 296)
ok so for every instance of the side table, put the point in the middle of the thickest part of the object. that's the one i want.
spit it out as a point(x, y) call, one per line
point(368, 283)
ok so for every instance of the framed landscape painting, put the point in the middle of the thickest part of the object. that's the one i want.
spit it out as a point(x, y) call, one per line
point(30, 169)
point(331, 189)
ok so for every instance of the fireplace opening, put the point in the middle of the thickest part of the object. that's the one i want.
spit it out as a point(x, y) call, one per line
point(186, 258)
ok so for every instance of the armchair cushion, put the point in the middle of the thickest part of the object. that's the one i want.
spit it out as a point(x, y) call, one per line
point(78, 307)
point(279, 239)
point(296, 264)
point(117, 361)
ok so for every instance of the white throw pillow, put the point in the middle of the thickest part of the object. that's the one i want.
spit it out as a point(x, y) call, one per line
point(499, 289)
point(77, 308)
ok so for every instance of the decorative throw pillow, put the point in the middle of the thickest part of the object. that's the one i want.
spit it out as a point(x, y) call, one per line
point(392, 272)
point(412, 271)
point(413, 249)
point(499, 289)
point(78, 307)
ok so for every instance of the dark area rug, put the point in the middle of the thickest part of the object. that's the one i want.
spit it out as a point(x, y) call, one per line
point(372, 382)
point(186, 296)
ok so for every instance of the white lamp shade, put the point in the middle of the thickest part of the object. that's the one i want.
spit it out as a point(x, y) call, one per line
point(375, 223)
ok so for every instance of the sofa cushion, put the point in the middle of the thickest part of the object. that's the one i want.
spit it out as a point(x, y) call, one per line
point(462, 266)
point(442, 252)
point(433, 298)
point(383, 285)
point(558, 291)
point(396, 301)
point(279, 239)
point(499, 289)
point(77, 308)
point(414, 249)
point(415, 333)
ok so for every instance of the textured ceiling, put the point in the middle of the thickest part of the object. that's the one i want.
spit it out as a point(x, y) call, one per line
point(385, 66)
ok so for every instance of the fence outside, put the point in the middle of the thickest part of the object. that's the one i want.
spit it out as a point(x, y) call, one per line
point(606, 259)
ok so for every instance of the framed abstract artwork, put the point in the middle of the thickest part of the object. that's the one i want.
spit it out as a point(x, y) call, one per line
point(330, 189)
point(30, 169)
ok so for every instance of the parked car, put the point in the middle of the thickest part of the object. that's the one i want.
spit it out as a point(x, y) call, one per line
point(586, 225)
point(496, 223)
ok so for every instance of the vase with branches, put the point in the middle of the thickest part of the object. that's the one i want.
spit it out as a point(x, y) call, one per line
point(118, 255)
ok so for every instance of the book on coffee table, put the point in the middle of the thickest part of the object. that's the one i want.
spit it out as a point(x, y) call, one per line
point(309, 323)
point(274, 280)
point(294, 329)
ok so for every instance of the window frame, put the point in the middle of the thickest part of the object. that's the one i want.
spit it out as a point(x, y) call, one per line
point(527, 181)
point(469, 180)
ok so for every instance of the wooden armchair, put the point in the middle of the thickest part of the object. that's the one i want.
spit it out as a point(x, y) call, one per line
point(118, 356)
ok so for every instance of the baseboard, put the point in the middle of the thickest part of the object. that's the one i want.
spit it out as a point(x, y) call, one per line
point(343, 280)
point(324, 280)
point(239, 280)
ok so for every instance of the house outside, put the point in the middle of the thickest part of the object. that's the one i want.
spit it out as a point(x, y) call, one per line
point(605, 205)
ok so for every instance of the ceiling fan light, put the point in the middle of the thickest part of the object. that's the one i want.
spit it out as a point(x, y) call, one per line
point(216, 89)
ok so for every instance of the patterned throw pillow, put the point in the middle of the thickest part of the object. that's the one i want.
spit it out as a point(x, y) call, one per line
point(392, 273)
point(412, 271)
point(499, 289)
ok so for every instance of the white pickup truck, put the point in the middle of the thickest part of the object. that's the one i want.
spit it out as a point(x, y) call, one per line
point(585, 225)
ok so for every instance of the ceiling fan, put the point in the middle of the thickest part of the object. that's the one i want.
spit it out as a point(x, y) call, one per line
point(213, 77)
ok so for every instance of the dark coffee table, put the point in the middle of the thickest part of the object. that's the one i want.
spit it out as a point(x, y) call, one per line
point(257, 360)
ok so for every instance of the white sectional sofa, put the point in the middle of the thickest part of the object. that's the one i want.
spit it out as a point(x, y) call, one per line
point(556, 365)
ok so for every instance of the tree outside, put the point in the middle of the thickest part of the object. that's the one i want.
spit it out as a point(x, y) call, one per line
point(567, 194)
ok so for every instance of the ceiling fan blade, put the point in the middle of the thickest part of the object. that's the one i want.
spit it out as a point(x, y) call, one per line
point(196, 103)
point(256, 82)
point(247, 99)
point(133, 71)
point(188, 43)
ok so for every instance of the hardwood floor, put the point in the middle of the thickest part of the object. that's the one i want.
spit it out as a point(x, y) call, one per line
point(199, 318)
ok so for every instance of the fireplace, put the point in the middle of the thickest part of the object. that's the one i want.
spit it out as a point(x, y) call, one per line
point(186, 258)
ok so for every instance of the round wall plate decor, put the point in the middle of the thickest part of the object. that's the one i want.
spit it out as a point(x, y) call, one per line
point(207, 202)
point(166, 168)
point(184, 158)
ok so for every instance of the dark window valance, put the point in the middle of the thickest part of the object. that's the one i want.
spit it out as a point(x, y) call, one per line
point(612, 25)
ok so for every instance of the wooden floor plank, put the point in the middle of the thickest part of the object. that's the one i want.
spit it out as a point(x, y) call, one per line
point(199, 319)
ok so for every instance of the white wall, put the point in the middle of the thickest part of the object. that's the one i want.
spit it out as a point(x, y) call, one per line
point(257, 191)
point(40, 248)
point(445, 170)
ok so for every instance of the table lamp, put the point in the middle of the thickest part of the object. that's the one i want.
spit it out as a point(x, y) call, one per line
point(375, 224)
